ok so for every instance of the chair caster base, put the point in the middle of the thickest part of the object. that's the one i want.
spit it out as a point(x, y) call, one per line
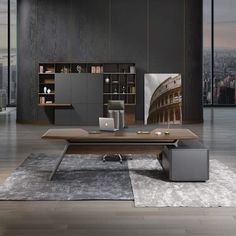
point(118, 155)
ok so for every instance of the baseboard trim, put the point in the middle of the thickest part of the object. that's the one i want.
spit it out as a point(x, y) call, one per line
point(186, 122)
point(34, 122)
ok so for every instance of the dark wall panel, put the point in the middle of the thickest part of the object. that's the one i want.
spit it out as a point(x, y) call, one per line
point(129, 40)
point(166, 36)
point(56, 31)
point(72, 30)
point(157, 35)
point(88, 30)
point(192, 87)
point(27, 49)
point(47, 29)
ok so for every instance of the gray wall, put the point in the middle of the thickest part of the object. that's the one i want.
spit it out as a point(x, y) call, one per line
point(158, 35)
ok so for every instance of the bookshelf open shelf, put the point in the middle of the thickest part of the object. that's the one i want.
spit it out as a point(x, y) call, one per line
point(45, 94)
point(55, 105)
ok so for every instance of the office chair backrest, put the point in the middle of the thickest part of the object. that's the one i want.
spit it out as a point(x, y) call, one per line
point(116, 110)
point(116, 105)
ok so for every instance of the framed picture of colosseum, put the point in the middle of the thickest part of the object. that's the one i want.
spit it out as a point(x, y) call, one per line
point(162, 99)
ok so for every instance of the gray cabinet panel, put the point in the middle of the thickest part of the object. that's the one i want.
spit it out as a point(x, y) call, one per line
point(79, 86)
point(62, 88)
point(95, 89)
point(85, 93)
point(63, 116)
point(94, 111)
point(79, 114)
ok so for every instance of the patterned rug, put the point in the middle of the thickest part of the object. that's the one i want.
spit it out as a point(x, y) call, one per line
point(79, 178)
point(141, 179)
point(152, 189)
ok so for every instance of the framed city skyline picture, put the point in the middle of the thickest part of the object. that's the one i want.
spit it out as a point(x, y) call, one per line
point(162, 98)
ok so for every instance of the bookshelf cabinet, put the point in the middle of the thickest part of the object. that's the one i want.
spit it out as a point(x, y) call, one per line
point(93, 83)
point(119, 83)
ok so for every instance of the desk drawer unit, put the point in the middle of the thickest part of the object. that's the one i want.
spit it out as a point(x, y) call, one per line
point(187, 162)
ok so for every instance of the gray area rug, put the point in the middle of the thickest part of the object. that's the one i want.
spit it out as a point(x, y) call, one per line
point(152, 189)
point(142, 179)
point(79, 178)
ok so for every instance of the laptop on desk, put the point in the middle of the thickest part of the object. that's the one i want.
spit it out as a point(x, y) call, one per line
point(107, 124)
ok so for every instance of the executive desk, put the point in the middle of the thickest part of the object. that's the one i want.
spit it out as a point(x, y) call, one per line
point(80, 141)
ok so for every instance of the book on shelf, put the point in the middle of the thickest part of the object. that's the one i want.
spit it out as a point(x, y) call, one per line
point(41, 100)
point(132, 89)
point(41, 69)
point(48, 102)
point(49, 81)
point(93, 69)
point(98, 69)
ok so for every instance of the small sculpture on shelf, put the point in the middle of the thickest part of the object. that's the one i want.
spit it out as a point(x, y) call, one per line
point(64, 69)
point(132, 69)
point(45, 89)
point(78, 68)
point(107, 80)
point(123, 89)
point(49, 91)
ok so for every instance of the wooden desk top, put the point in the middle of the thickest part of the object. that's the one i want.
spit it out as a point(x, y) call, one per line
point(76, 134)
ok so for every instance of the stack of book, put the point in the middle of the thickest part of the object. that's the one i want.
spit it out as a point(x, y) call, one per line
point(41, 100)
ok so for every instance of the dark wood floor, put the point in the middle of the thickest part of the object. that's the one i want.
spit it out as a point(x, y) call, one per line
point(17, 141)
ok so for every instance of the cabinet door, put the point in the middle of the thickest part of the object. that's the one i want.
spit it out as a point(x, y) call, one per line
point(95, 88)
point(79, 86)
point(94, 111)
point(79, 114)
point(62, 88)
point(63, 116)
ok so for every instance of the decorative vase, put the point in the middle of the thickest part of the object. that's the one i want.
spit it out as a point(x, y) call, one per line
point(49, 91)
point(45, 89)
point(123, 89)
point(41, 69)
point(107, 80)
point(132, 69)
point(78, 68)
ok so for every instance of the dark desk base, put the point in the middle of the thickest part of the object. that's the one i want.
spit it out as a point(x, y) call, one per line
point(110, 148)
